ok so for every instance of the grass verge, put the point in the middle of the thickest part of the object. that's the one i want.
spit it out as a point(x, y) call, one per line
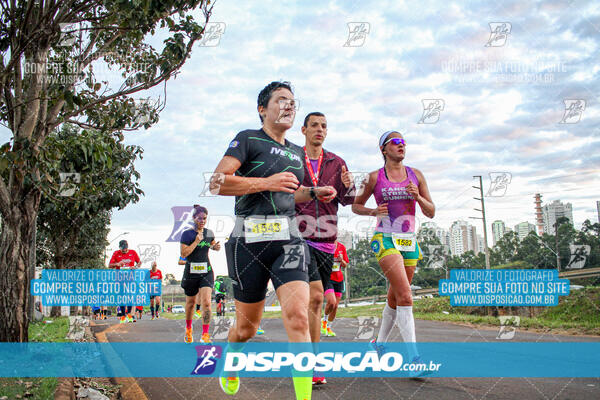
point(37, 388)
point(576, 314)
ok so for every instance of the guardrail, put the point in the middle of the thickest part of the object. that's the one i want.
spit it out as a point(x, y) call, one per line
point(573, 274)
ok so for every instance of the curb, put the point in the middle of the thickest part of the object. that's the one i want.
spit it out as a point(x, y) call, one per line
point(64, 389)
point(130, 390)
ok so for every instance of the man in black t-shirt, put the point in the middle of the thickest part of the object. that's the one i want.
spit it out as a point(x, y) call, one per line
point(198, 276)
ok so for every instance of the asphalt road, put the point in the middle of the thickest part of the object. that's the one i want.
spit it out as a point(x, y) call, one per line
point(164, 330)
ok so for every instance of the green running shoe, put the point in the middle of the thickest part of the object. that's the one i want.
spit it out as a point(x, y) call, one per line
point(230, 385)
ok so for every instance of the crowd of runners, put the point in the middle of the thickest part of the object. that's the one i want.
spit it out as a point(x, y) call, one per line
point(285, 232)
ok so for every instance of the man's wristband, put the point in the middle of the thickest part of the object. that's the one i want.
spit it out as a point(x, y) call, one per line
point(313, 195)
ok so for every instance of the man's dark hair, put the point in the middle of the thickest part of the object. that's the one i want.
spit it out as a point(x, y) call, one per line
point(265, 95)
point(315, 113)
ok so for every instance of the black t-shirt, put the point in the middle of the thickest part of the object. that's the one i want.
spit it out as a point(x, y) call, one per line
point(262, 157)
point(200, 253)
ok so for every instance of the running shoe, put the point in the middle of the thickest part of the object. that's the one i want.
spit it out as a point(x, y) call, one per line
point(205, 338)
point(379, 348)
point(188, 338)
point(157, 316)
point(260, 331)
point(319, 380)
point(323, 327)
point(122, 320)
point(198, 314)
point(422, 373)
point(153, 318)
point(230, 385)
point(330, 333)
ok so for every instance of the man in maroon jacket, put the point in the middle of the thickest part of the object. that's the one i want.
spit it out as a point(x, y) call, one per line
point(317, 220)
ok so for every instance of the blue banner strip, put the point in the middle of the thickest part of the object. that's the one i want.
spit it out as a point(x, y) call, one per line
point(341, 359)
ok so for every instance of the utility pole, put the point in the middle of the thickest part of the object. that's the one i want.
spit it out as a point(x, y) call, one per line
point(556, 244)
point(346, 280)
point(485, 242)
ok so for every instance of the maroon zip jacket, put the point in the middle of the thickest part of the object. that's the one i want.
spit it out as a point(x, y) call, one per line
point(317, 220)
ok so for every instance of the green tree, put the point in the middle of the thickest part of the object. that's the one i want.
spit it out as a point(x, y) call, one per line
point(49, 75)
point(534, 254)
point(105, 183)
point(364, 271)
point(505, 250)
point(566, 236)
point(83, 218)
point(590, 235)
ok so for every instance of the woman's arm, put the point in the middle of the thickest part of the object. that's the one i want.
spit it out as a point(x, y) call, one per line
point(424, 197)
point(358, 207)
point(187, 249)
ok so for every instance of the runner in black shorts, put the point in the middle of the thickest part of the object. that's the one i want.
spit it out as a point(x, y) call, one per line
point(318, 220)
point(264, 170)
point(198, 276)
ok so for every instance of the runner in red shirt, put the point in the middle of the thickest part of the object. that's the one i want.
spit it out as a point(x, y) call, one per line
point(155, 300)
point(340, 261)
point(125, 258)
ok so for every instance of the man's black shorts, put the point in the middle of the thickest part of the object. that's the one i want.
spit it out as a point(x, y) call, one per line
point(251, 265)
point(338, 287)
point(192, 286)
point(320, 267)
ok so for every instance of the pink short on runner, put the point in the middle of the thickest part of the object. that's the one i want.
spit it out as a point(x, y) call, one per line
point(329, 291)
point(338, 295)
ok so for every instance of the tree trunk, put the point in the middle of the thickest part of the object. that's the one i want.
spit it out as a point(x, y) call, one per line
point(17, 232)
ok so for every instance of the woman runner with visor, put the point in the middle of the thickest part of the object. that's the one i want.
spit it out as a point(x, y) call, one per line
point(264, 170)
point(397, 189)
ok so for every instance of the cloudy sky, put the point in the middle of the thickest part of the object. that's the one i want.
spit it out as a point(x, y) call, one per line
point(500, 100)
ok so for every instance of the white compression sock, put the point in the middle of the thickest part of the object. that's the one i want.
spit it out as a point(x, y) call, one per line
point(406, 324)
point(388, 317)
